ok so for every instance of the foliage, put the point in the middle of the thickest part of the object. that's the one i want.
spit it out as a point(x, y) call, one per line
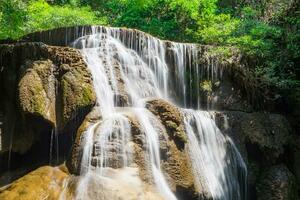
point(272, 44)
point(20, 18)
point(12, 17)
point(43, 16)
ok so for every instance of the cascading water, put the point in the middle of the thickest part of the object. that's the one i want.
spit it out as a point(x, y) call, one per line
point(215, 157)
point(128, 68)
point(102, 52)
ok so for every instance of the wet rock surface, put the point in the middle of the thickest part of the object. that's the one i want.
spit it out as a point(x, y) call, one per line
point(43, 183)
point(270, 132)
point(176, 163)
point(171, 117)
point(74, 161)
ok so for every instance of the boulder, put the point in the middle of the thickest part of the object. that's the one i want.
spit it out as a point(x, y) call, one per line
point(119, 184)
point(171, 117)
point(43, 183)
point(260, 137)
point(174, 152)
point(175, 164)
point(43, 88)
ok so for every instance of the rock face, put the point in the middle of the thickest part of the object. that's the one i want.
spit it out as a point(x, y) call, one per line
point(277, 183)
point(74, 161)
point(123, 184)
point(171, 117)
point(42, 88)
point(269, 132)
point(44, 183)
point(37, 90)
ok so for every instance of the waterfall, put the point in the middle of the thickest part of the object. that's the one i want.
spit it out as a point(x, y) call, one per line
point(129, 67)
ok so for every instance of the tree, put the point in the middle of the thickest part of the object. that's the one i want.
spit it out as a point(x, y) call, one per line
point(13, 17)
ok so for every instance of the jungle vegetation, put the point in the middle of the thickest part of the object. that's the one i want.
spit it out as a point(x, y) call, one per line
point(266, 31)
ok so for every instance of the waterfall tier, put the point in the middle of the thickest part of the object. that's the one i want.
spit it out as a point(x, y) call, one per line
point(129, 69)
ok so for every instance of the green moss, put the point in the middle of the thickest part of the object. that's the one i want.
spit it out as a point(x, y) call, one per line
point(181, 136)
point(171, 124)
point(77, 93)
point(88, 96)
point(32, 94)
point(206, 86)
point(38, 99)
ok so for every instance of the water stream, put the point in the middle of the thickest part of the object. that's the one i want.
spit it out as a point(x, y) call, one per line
point(130, 67)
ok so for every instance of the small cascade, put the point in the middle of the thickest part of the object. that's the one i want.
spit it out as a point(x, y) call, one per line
point(217, 163)
point(1, 129)
point(54, 147)
point(129, 67)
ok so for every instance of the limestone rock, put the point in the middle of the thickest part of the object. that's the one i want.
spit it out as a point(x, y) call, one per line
point(260, 137)
point(270, 132)
point(42, 88)
point(119, 184)
point(37, 90)
point(75, 89)
point(171, 118)
point(174, 153)
point(74, 161)
point(277, 183)
point(43, 183)
point(175, 164)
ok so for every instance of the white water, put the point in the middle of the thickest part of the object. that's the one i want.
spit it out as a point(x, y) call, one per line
point(215, 157)
point(135, 65)
point(102, 52)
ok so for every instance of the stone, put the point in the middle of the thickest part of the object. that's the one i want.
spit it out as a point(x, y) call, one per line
point(260, 137)
point(119, 184)
point(43, 183)
point(171, 117)
point(269, 132)
point(37, 90)
point(175, 157)
point(74, 161)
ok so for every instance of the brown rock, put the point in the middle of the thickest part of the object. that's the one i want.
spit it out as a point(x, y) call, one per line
point(42, 87)
point(43, 183)
point(171, 118)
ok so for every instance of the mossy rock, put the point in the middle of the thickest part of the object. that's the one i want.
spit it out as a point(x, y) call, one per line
point(270, 133)
point(44, 87)
point(36, 95)
point(76, 94)
point(171, 117)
